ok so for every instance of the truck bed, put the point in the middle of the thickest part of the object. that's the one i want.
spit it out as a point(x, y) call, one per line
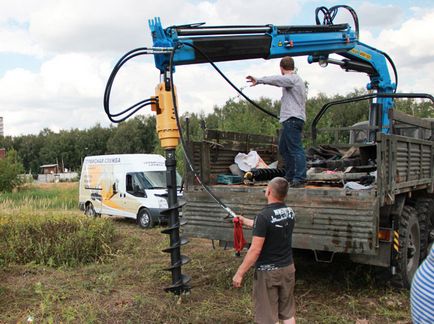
point(345, 220)
point(327, 218)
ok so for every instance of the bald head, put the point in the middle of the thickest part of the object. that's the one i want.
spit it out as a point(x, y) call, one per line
point(278, 188)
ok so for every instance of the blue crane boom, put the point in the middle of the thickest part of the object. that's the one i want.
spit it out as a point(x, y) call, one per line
point(229, 43)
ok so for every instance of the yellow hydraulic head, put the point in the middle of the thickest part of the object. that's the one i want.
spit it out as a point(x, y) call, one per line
point(167, 129)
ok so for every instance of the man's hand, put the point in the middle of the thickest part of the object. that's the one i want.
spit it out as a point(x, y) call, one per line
point(244, 221)
point(252, 80)
point(238, 218)
point(236, 280)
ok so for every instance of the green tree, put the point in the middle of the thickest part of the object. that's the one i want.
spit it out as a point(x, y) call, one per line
point(10, 168)
point(241, 116)
point(137, 135)
point(28, 148)
point(416, 107)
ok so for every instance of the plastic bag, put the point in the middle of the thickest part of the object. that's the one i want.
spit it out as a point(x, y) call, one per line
point(249, 161)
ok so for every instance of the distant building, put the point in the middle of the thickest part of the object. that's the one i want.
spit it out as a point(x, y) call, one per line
point(50, 169)
point(2, 153)
point(54, 173)
point(1, 127)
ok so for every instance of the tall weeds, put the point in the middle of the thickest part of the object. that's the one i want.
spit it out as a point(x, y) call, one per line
point(43, 226)
point(55, 197)
point(54, 241)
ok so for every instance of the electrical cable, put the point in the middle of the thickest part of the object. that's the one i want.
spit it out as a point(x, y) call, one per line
point(229, 81)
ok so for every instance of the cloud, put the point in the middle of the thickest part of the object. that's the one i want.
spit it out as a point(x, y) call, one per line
point(18, 11)
point(373, 15)
point(67, 92)
point(102, 25)
point(18, 40)
point(412, 49)
point(411, 43)
point(64, 84)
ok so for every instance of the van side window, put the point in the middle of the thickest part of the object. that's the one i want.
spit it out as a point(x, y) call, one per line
point(134, 185)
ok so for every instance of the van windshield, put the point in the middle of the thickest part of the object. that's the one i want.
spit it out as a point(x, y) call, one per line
point(157, 179)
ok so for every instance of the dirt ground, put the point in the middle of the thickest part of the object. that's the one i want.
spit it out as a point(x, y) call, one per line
point(129, 288)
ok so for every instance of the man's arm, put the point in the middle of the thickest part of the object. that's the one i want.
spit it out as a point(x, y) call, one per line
point(283, 81)
point(245, 221)
point(249, 260)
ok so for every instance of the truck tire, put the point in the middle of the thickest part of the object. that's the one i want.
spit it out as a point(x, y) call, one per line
point(409, 248)
point(424, 207)
point(144, 218)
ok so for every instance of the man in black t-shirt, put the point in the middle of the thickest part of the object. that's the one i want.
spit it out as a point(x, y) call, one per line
point(271, 253)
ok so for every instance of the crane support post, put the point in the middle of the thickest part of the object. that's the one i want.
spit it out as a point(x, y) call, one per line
point(167, 129)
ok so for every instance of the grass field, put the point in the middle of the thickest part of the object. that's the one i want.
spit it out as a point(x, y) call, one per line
point(127, 286)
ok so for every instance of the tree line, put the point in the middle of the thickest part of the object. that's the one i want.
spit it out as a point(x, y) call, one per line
point(137, 135)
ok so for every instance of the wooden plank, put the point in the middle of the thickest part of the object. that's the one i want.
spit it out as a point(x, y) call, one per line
point(414, 183)
point(205, 155)
point(221, 136)
point(399, 116)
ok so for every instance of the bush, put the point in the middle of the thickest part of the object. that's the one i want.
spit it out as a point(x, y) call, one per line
point(55, 241)
point(10, 168)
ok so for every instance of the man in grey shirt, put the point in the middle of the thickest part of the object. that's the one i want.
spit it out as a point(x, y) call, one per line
point(292, 117)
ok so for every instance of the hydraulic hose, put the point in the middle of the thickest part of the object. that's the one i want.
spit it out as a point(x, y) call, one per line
point(227, 79)
point(184, 146)
point(330, 15)
point(126, 113)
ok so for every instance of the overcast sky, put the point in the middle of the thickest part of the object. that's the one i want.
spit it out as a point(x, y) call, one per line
point(56, 55)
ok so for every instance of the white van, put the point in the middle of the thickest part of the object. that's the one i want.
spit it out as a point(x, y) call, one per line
point(128, 185)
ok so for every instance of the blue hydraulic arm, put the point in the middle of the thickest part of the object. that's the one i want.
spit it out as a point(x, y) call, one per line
point(228, 43)
point(196, 43)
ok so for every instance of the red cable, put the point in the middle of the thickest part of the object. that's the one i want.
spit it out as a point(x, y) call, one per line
point(239, 240)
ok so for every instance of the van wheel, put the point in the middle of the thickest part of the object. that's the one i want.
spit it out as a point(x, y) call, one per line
point(409, 248)
point(144, 218)
point(90, 211)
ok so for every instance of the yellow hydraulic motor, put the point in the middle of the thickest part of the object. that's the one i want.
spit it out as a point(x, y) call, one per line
point(167, 128)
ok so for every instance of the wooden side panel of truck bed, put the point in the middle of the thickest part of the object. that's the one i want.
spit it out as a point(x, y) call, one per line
point(326, 219)
point(404, 165)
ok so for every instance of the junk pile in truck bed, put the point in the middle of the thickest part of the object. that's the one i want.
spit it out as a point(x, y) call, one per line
point(352, 167)
point(330, 165)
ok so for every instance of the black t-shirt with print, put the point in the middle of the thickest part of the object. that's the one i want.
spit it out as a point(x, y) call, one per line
point(276, 223)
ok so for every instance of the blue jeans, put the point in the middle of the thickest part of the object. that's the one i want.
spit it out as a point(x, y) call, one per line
point(292, 151)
